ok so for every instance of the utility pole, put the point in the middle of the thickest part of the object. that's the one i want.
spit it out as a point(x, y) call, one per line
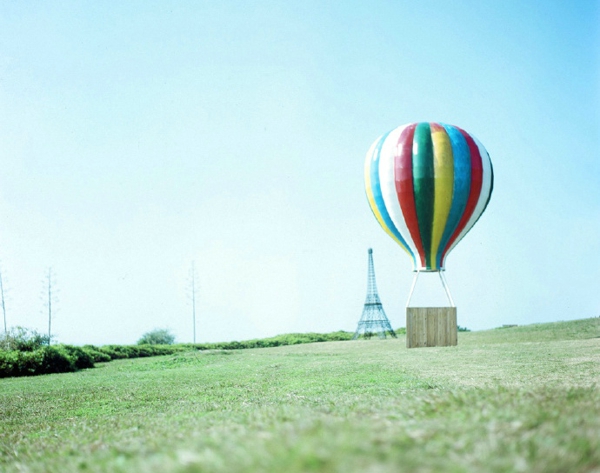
point(3, 302)
point(50, 292)
point(193, 289)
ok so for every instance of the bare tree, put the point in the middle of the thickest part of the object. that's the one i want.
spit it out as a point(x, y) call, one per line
point(193, 293)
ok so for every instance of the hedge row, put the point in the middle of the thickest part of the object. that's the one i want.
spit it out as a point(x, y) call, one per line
point(119, 352)
point(53, 359)
point(280, 340)
point(67, 358)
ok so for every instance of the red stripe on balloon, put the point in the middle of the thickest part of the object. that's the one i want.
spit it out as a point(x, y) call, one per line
point(436, 127)
point(403, 177)
point(475, 191)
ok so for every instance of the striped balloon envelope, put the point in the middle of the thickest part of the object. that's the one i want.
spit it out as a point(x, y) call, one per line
point(427, 185)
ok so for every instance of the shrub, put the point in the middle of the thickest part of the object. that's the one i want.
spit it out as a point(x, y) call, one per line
point(56, 360)
point(30, 363)
point(23, 339)
point(279, 340)
point(158, 336)
point(9, 363)
point(81, 358)
point(45, 360)
point(117, 352)
point(97, 355)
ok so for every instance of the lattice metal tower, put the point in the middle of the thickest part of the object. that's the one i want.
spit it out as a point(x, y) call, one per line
point(373, 320)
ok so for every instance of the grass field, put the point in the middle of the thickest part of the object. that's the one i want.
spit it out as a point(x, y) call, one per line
point(516, 399)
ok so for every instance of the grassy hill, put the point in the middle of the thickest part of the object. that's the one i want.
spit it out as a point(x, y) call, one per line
point(514, 399)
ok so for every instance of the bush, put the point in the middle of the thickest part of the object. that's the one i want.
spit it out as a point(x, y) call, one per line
point(279, 340)
point(81, 358)
point(98, 356)
point(118, 352)
point(159, 336)
point(23, 339)
point(56, 359)
point(9, 363)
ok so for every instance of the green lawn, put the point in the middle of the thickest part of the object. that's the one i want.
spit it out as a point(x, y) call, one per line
point(516, 399)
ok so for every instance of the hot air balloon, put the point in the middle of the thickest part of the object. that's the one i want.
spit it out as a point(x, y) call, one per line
point(427, 185)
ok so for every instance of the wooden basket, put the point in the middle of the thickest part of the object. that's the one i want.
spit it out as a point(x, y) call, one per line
point(431, 327)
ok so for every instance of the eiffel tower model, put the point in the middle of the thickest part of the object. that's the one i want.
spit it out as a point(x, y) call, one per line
point(373, 320)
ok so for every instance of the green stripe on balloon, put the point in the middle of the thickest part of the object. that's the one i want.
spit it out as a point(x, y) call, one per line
point(424, 186)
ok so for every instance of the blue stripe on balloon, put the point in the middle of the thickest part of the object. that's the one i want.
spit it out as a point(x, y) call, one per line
point(378, 197)
point(461, 188)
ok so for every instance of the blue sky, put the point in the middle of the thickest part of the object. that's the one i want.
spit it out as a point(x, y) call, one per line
point(137, 137)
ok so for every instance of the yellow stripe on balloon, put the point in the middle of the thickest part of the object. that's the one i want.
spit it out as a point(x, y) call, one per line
point(444, 183)
point(375, 208)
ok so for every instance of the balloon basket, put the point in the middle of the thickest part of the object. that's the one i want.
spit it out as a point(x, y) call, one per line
point(430, 326)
